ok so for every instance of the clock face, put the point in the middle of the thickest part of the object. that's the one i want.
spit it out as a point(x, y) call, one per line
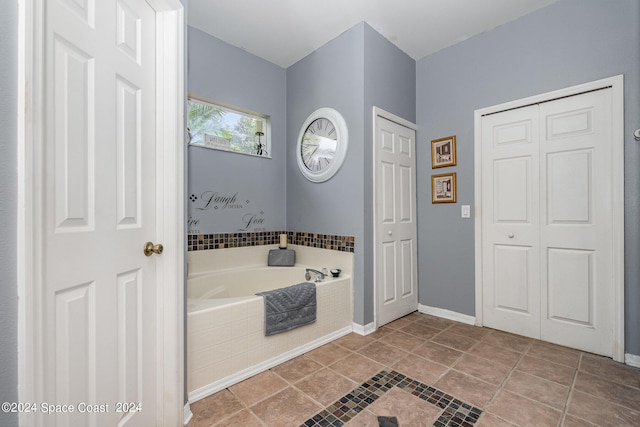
point(319, 144)
point(322, 144)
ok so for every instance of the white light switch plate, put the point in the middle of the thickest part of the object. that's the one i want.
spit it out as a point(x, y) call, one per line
point(465, 211)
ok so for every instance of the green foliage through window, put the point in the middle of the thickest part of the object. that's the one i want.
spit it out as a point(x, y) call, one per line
point(222, 128)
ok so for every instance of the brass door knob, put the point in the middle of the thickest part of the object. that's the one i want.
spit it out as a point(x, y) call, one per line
point(150, 248)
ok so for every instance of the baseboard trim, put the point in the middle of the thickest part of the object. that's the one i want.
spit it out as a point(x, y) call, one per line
point(187, 413)
point(632, 360)
point(230, 380)
point(367, 329)
point(447, 314)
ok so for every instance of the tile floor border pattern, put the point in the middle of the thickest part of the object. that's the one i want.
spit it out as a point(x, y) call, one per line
point(456, 413)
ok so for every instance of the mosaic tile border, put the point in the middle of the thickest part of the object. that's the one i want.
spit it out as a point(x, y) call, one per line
point(456, 413)
point(200, 242)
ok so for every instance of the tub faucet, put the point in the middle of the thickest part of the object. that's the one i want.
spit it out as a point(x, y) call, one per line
point(319, 275)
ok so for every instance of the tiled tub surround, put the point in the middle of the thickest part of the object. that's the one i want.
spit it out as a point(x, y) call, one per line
point(200, 242)
point(225, 340)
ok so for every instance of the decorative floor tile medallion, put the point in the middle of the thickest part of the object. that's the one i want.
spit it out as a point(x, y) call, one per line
point(456, 413)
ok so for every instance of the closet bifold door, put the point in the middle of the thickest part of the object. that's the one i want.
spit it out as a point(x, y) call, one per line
point(510, 221)
point(547, 221)
point(577, 228)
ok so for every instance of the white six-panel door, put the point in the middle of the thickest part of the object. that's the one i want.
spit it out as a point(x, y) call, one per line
point(576, 232)
point(395, 221)
point(98, 288)
point(547, 221)
point(510, 221)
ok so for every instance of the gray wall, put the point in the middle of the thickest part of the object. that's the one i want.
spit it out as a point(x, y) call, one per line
point(332, 76)
point(8, 211)
point(390, 84)
point(565, 44)
point(220, 72)
point(352, 73)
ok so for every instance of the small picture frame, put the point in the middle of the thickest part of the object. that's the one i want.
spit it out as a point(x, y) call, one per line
point(443, 188)
point(443, 152)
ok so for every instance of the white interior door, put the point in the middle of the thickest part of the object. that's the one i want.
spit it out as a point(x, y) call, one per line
point(98, 321)
point(395, 221)
point(510, 221)
point(577, 228)
point(547, 221)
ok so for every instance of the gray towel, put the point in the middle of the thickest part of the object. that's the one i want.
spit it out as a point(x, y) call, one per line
point(282, 257)
point(288, 308)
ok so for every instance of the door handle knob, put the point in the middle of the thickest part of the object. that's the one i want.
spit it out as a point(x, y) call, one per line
point(511, 235)
point(150, 248)
point(389, 232)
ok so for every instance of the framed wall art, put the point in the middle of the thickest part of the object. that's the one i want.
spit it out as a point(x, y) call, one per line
point(443, 152)
point(443, 188)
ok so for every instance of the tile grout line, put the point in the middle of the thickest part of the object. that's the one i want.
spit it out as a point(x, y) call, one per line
point(288, 384)
point(570, 387)
point(246, 407)
point(504, 381)
point(293, 385)
point(322, 366)
point(603, 378)
point(565, 412)
point(607, 398)
point(501, 386)
point(565, 409)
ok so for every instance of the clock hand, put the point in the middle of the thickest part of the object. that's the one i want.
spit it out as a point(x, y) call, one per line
point(309, 150)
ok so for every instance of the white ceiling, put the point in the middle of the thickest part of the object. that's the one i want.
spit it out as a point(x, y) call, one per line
point(285, 31)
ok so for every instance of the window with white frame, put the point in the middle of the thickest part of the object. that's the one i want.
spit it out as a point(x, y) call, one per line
point(219, 127)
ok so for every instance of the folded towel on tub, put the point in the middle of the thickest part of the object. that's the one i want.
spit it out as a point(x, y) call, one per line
point(281, 257)
point(288, 308)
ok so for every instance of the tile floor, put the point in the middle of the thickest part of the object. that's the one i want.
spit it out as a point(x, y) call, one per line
point(426, 371)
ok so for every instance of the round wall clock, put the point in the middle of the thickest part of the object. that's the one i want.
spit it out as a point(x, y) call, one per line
point(322, 144)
